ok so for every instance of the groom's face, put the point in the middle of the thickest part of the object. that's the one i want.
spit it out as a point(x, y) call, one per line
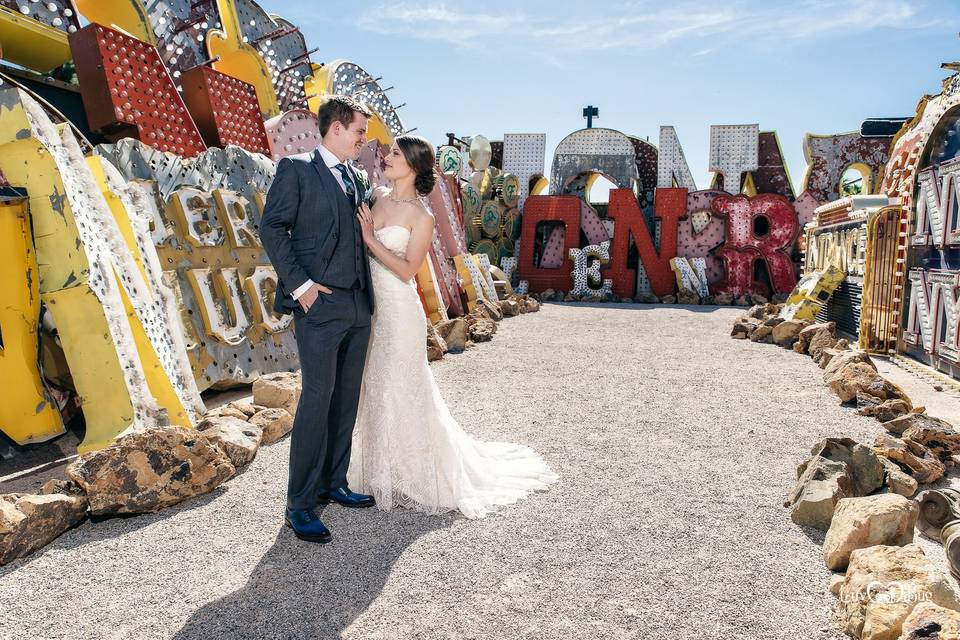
point(350, 139)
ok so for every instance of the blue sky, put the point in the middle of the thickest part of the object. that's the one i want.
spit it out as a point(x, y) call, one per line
point(493, 67)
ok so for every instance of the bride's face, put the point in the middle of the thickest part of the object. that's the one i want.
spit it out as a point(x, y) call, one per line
point(396, 165)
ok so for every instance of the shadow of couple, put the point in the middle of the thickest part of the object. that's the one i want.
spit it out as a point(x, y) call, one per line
point(305, 590)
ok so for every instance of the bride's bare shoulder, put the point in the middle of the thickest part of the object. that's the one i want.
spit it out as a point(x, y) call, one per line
point(423, 216)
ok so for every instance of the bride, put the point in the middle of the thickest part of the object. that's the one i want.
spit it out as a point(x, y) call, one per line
point(408, 451)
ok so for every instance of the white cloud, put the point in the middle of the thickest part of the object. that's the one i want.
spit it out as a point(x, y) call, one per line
point(640, 26)
point(433, 21)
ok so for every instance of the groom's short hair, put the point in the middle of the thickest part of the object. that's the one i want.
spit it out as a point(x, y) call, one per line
point(340, 109)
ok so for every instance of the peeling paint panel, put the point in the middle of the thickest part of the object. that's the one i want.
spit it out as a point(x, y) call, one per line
point(26, 413)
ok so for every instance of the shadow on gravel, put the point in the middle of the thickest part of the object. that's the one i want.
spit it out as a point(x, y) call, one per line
point(696, 308)
point(305, 590)
point(815, 535)
point(108, 527)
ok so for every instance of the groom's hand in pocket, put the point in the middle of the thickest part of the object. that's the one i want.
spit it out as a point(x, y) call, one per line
point(310, 296)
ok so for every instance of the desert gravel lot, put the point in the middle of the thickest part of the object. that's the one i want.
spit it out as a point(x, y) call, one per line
point(675, 446)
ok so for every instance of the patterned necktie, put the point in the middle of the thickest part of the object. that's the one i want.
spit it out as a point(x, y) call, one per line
point(348, 183)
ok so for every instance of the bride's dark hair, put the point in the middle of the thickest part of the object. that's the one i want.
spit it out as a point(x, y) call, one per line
point(418, 153)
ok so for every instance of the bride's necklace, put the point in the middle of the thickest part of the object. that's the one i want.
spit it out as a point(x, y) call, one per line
point(399, 200)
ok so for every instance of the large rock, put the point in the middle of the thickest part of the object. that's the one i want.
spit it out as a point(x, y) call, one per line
point(227, 411)
point(808, 332)
point(275, 423)
point(510, 307)
point(757, 311)
point(899, 425)
point(883, 586)
point(743, 327)
point(928, 621)
point(920, 462)
point(862, 378)
point(882, 411)
point(436, 346)
point(60, 485)
point(246, 407)
point(865, 468)
point(454, 334)
point(491, 309)
point(686, 296)
point(824, 337)
point(482, 330)
point(29, 522)
point(863, 522)
point(239, 439)
point(936, 435)
point(763, 333)
point(149, 470)
point(529, 305)
point(815, 496)
point(838, 468)
point(827, 356)
point(278, 391)
point(821, 342)
point(898, 480)
point(787, 332)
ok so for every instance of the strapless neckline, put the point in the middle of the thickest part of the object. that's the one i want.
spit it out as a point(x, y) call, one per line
point(389, 226)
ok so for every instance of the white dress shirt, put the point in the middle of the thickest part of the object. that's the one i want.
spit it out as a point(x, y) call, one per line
point(331, 161)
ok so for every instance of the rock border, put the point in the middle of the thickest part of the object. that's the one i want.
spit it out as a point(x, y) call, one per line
point(869, 528)
point(149, 470)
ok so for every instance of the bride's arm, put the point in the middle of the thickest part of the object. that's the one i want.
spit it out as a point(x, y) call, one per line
point(421, 236)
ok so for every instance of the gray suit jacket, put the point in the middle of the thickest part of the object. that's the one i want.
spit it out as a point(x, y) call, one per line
point(300, 226)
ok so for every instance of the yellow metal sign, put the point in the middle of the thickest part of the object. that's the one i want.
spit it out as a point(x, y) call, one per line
point(27, 413)
point(126, 360)
point(31, 44)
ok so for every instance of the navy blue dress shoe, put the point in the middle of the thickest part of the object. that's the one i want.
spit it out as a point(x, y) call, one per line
point(344, 497)
point(306, 525)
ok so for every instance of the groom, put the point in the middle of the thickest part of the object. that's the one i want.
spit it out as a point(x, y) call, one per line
point(311, 234)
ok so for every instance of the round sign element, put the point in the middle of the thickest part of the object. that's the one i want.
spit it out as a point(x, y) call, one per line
point(480, 152)
point(471, 200)
point(472, 229)
point(450, 160)
point(511, 224)
point(491, 217)
point(488, 247)
point(507, 187)
point(505, 246)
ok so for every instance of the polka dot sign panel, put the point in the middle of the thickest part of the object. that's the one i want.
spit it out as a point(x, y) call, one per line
point(586, 270)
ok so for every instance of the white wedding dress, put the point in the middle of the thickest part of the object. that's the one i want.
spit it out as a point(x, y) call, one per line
point(408, 451)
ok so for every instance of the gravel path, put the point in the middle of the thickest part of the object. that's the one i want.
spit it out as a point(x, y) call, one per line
point(675, 446)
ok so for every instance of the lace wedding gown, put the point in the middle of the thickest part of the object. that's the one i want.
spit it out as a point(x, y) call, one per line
point(408, 451)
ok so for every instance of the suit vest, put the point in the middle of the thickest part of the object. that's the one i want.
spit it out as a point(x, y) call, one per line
point(344, 269)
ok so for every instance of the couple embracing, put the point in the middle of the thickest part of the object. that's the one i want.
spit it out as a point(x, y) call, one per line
point(370, 416)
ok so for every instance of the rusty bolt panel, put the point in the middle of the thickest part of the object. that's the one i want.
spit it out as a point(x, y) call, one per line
point(225, 109)
point(127, 91)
